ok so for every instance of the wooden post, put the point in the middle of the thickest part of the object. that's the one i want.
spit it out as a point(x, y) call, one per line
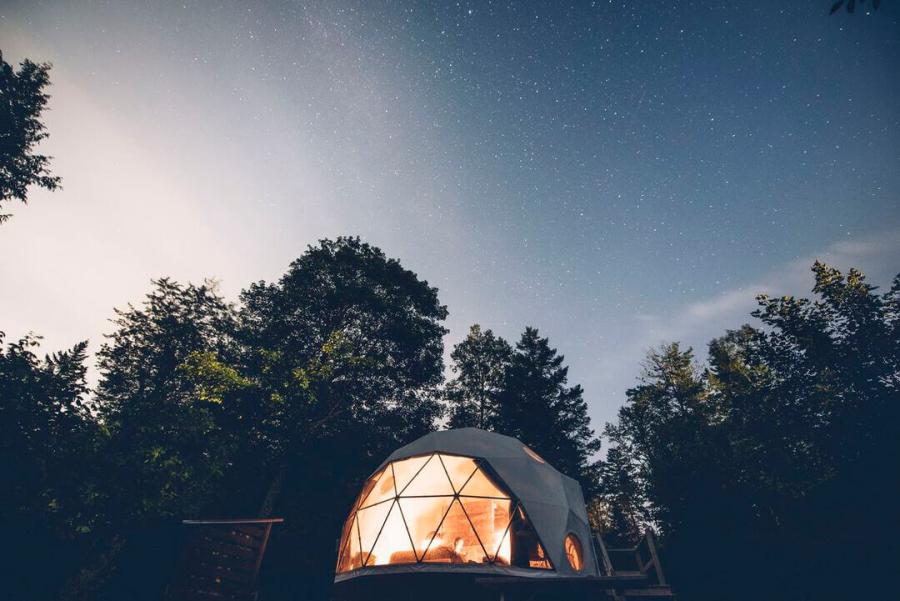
point(262, 547)
point(654, 557)
point(604, 555)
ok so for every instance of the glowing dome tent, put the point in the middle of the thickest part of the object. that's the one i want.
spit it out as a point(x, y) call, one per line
point(467, 500)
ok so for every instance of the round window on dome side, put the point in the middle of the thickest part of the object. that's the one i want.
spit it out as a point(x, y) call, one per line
point(574, 553)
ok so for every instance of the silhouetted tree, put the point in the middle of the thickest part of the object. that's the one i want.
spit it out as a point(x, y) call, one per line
point(166, 448)
point(479, 364)
point(49, 504)
point(345, 353)
point(537, 406)
point(45, 427)
point(790, 433)
point(22, 101)
point(851, 5)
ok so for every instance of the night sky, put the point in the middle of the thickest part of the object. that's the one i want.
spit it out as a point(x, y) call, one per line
point(617, 174)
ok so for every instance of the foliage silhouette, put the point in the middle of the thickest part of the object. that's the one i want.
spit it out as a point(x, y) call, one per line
point(522, 392)
point(538, 407)
point(851, 5)
point(22, 101)
point(480, 364)
point(783, 447)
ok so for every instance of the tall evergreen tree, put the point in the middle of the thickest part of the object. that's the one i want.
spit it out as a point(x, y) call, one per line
point(537, 406)
point(480, 363)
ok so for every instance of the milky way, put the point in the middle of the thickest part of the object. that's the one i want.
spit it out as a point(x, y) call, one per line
point(616, 174)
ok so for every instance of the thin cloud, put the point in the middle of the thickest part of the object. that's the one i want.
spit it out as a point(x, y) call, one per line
point(695, 324)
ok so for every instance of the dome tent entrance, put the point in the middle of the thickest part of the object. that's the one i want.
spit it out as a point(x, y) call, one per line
point(467, 500)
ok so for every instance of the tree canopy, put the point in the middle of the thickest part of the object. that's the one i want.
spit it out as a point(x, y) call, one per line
point(786, 434)
point(523, 392)
point(286, 400)
point(23, 99)
point(480, 365)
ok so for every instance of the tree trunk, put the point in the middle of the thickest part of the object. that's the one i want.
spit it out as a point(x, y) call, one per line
point(268, 504)
point(84, 584)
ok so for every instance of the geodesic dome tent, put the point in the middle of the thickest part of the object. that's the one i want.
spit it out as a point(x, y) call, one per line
point(467, 500)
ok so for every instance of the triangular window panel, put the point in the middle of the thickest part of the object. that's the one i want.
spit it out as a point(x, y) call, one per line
point(503, 552)
point(526, 549)
point(405, 470)
point(479, 485)
point(367, 488)
point(383, 489)
point(423, 515)
point(490, 518)
point(459, 469)
point(455, 541)
point(344, 541)
point(351, 558)
point(371, 519)
point(540, 560)
point(430, 481)
point(393, 545)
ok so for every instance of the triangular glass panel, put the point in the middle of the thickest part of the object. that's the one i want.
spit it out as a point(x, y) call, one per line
point(502, 555)
point(423, 515)
point(430, 481)
point(479, 485)
point(340, 559)
point(367, 488)
point(526, 549)
point(344, 540)
point(459, 469)
point(371, 519)
point(455, 541)
point(490, 518)
point(393, 544)
point(540, 560)
point(383, 489)
point(351, 558)
point(405, 470)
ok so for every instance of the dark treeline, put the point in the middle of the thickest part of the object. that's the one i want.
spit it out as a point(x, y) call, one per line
point(773, 470)
point(768, 472)
point(279, 405)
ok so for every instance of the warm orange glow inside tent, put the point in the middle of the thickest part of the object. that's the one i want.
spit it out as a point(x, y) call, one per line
point(437, 508)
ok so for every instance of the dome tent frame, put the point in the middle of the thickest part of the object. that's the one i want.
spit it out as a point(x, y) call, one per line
point(553, 503)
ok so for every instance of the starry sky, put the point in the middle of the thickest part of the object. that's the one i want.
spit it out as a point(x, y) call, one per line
point(616, 173)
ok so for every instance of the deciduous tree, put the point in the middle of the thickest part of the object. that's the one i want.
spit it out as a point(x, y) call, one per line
point(23, 99)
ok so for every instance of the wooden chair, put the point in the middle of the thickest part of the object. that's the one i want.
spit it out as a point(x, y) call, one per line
point(221, 559)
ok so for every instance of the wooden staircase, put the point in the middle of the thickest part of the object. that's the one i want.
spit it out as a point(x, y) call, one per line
point(640, 560)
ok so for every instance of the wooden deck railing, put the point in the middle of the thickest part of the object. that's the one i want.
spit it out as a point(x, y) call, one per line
point(221, 559)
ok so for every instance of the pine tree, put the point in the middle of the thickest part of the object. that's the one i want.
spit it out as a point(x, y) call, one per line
point(480, 363)
point(538, 407)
